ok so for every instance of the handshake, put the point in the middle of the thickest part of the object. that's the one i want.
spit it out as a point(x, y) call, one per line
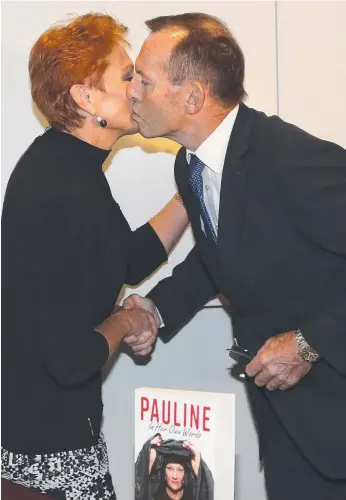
point(136, 323)
point(146, 322)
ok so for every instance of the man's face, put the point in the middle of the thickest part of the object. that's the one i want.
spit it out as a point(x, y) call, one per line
point(159, 106)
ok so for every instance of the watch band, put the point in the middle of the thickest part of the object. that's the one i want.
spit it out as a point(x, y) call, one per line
point(305, 351)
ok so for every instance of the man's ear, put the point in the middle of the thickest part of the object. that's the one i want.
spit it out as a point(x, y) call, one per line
point(195, 97)
point(82, 96)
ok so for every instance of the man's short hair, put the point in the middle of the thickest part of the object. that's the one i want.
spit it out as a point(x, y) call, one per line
point(208, 53)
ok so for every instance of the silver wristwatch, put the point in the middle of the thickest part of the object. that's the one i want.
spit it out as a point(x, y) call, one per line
point(305, 351)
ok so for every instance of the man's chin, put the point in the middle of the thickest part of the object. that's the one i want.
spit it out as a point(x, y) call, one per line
point(142, 129)
point(145, 132)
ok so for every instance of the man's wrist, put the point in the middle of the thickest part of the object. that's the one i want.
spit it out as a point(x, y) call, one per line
point(306, 352)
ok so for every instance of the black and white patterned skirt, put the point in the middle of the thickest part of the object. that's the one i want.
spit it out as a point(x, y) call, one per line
point(81, 474)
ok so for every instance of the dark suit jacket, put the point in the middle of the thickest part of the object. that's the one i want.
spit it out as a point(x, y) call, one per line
point(281, 263)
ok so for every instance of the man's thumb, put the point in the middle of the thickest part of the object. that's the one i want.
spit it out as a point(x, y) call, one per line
point(130, 302)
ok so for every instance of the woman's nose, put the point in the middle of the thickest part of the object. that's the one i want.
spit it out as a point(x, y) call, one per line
point(129, 92)
point(132, 90)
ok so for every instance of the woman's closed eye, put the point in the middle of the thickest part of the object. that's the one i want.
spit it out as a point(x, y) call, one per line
point(129, 77)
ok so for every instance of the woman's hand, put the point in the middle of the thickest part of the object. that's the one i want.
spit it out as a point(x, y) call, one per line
point(156, 441)
point(142, 343)
point(196, 456)
point(190, 446)
point(122, 323)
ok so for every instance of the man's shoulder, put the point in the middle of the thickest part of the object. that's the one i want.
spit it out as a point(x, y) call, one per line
point(274, 132)
point(276, 140)
point(272, 128)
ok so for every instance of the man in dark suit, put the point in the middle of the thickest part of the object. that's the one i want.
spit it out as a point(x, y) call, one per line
point(267, 204)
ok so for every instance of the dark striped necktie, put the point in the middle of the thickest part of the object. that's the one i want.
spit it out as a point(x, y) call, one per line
point(196, 183)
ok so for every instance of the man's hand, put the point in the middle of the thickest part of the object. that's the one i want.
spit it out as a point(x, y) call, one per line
point(142, 342)
point(278, 364)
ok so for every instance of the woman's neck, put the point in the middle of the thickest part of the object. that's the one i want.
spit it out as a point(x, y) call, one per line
point(94, 134)
point(175, 496)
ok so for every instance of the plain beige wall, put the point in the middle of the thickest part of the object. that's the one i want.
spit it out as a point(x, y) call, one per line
point(312, 67)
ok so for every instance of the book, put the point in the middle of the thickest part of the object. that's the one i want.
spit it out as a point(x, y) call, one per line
point(184, 445)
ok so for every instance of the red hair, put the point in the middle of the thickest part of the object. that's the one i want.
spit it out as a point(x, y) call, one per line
point(75, 53)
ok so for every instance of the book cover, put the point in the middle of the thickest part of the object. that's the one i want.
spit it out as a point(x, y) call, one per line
point(184, 445)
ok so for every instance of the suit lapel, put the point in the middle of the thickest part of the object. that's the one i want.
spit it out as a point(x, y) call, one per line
point(233, 185)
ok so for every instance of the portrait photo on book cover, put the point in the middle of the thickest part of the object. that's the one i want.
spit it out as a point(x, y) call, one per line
point(172, 469)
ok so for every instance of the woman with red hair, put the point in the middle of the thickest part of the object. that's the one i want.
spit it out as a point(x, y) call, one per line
point(67, 251)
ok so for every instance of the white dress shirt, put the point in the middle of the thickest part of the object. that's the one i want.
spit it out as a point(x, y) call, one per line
point(212, 153)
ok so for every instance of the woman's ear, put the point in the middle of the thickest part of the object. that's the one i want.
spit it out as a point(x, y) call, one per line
point(82, 97)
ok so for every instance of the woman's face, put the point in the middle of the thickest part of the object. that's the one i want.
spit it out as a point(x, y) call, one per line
point(175, 476)
point(112, 104)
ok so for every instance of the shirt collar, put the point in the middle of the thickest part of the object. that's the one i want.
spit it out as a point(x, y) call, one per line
point(212, 151)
